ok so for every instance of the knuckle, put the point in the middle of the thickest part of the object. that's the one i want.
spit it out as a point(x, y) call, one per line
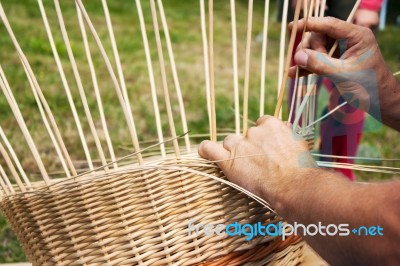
point(262, 119)
point(251, 132)
point(204, 146)
point(228, 140)
point(368, 33)
point(275, 121)
point(229, 137)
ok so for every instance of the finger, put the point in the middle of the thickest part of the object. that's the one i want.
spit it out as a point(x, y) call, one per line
point(288, 124)
point(231, 141)
point(318, 42)
point(335, 28)
point(213, 151)
point(262, 120)
point(305, 42)
point(317, 62)
point(302, 72)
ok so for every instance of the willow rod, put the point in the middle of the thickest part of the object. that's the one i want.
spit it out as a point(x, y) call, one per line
point(164, 78)
point(5, 182)
point(264, 57)
point(235, 68)
point(247, 68)
point(79, 84)
point(294, 94)
point(48, 128)
point(29, 72)
point(174, 73)
point(151, 77)
point(323, 7)
point(211, 68)
point(65, 85)
point(11, 167)
point(288, 59)
point(21, 122)
point(282, 47)
point(206, 62)
point(96, 88)
point(123, 101)
point(14, 157)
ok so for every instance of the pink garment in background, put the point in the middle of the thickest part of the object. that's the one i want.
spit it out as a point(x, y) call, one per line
point(373, 5)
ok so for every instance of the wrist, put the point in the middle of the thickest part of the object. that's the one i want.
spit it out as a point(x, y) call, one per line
point(313, 190)
point(288, 191)
point(389, 97)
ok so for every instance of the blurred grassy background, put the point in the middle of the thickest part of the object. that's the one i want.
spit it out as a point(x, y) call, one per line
point(183, 19)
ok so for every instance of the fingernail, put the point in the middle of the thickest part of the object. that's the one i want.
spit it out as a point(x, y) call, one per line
point(301, 58)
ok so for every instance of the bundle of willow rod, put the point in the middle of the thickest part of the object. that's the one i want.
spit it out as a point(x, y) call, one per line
point(135, 208)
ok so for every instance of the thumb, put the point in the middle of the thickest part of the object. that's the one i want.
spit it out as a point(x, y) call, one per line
point(212, 151)
point(317, 62)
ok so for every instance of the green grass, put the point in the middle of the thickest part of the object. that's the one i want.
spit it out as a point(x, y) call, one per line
point(183, 20)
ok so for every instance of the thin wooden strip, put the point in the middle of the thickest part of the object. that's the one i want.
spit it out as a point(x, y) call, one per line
point(309, 89)
point(300, 94)
point(376, 167)
point(235, 68)
point(355, 157)
point(114, 48)
point(282, 48)
point(349, 19)
point(327, 114)
point(29, 73)
point(21, 122)
point(15, 158)
point(96, 89)
point(311, 9)
point(288, 59)
point(116, 55)
point(211, 68)
point(323, 7)
point(164, 78)
point(206, 61)
point(294, 95)
point(122, 100)
point(79, 84)
point(174, 74)
point(355, 167)
point(65, 85)
point(317, 8)
point(264, 58)
point(247, 68)
point(50, 132)
point(4, 190)
point(4, 182)
point(151, 77)
point(314, 97)
point(312, 107)
point(11, 167)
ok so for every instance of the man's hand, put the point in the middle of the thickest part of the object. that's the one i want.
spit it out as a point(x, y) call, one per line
point(266, 161)
point(357, 69)
point(276, 165)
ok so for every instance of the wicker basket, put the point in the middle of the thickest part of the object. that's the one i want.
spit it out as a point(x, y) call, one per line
point(137, 214)
point(140, 216)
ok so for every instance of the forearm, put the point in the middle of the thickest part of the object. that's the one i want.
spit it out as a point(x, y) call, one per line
point(331, 199)
point(389, 100)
